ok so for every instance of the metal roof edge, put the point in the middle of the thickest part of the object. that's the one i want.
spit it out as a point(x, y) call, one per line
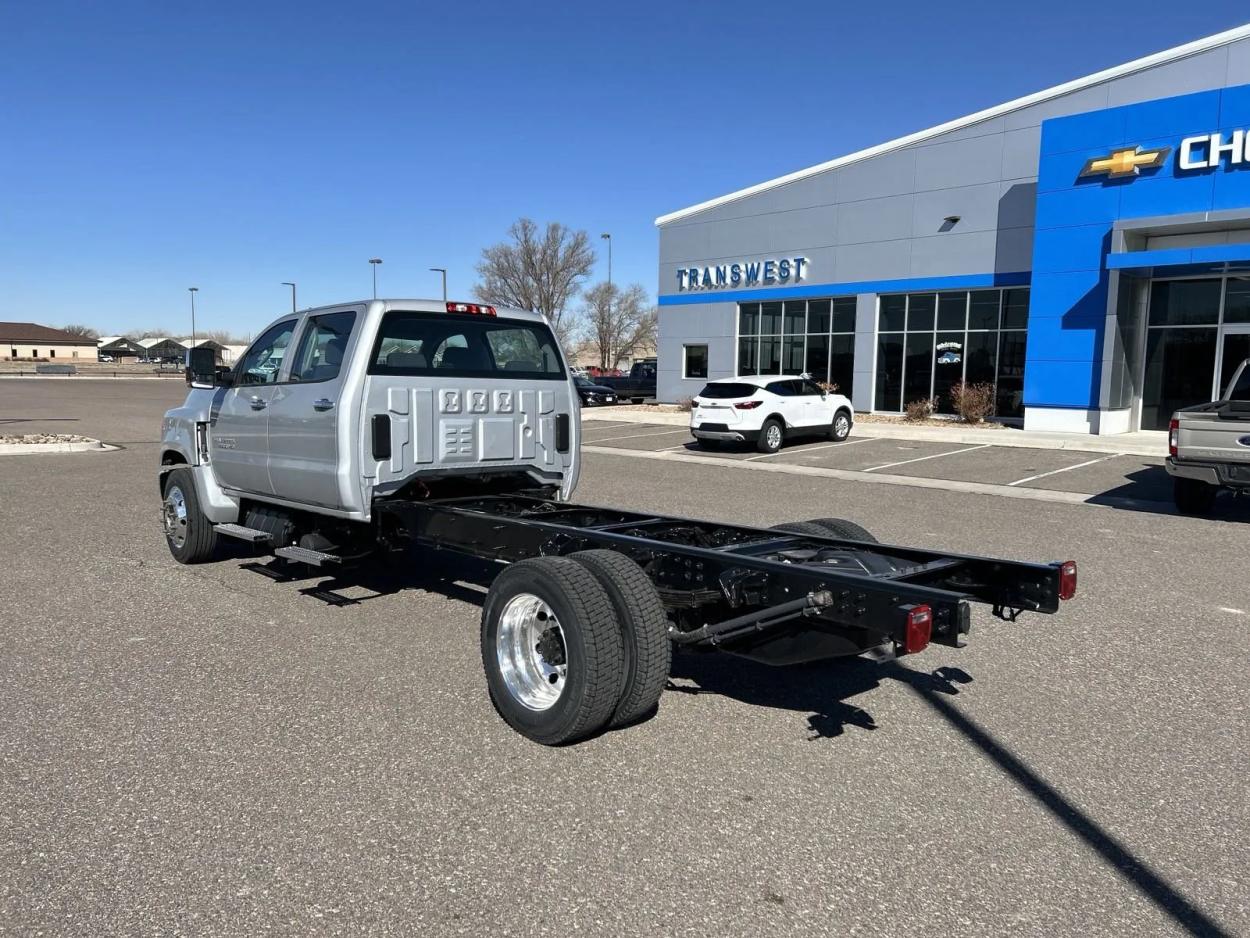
point(1118, 71)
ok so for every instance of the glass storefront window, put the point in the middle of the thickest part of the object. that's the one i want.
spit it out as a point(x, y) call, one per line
point(1237, 300)
point(1185, 302)
point(815, 337)
point(977, 336)
point(1180, 366)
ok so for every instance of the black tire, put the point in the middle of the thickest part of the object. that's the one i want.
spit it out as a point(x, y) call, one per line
point(644, 631)
point(829, 527)
point(637, 400)
point(769, 442)
point(1193, 497)
point(188, 532)
point(591, 647)
point(840, 429)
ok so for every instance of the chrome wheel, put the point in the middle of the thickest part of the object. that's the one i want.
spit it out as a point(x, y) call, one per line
point(772, 436)
point(841, 427)
point(174, 516)
point(531, 652)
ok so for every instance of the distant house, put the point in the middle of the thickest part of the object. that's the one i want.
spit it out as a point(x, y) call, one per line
point(119, 347)
point(161, 348)
point(28, 340)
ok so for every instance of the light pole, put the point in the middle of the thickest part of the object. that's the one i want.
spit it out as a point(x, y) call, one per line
point(608, 238)
point(443, 271)
point(287, 283)
point(374, 261)
point(193, 291)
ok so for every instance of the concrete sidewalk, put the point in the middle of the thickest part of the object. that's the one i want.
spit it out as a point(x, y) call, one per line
point(1142, 443)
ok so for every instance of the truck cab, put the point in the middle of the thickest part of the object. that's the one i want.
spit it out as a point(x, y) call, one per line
point(331, 409)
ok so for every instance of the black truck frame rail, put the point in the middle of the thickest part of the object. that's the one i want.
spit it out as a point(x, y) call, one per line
point(766, 594)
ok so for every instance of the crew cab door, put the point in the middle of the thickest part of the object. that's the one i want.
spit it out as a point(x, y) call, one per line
point(304, 413)
point(239, 431)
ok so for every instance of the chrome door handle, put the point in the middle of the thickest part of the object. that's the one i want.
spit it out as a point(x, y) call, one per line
point(323, 404)
point(258, 403)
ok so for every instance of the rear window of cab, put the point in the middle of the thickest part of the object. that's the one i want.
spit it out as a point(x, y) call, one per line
point(723, 390)
point(450, 345)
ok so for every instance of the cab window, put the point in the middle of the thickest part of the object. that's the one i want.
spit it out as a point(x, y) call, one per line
point(322, 346)
point(263, 361)
point(470, 346)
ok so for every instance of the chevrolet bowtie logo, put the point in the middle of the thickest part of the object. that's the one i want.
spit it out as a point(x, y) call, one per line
point(1125, 162)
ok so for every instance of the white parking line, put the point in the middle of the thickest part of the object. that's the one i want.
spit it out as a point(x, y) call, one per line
point(634, 436)
point(904, 462)
point(1042, 475)
point(810, 449)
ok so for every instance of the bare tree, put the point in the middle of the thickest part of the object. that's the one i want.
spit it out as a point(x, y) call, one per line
point(619, 321)
point(538, 271)
point(78, 329)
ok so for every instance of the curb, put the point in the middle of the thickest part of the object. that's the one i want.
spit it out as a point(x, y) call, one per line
point(1004, 437)
point(32, 449)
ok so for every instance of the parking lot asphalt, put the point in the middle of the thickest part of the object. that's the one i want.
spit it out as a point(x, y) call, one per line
point(203, 750)
point(1101, 477)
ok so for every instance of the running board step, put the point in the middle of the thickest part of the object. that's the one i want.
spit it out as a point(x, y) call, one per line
point(314, 558)
point(251, 535)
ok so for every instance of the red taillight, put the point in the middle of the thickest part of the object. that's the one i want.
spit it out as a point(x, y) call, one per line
point(747, 405)
point(476, 309)
point(919, 629)
point(1174, 432)
point(1067, 579)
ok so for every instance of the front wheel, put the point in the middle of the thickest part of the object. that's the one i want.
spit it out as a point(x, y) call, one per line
point(771, 436)
point(840, 429)
point(552, 650)
point(188, 532)
point(1193, 497)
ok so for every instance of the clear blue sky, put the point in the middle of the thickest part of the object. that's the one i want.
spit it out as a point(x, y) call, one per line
point(146, 147)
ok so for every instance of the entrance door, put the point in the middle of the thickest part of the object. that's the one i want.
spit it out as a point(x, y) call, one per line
point(1234, 349)
point(239, 438)
point(303, 417)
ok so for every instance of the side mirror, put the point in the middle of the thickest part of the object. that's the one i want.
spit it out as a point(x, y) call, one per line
point(201, 367)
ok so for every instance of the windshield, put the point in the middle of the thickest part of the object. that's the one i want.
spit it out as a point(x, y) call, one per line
point(469, 346)
point(718, 390)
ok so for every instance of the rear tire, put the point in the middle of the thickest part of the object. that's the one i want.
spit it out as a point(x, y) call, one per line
point(829, 527)
point(552, 650)
point(644, 631)
point(1193, 497)
point(772, 436)
point(188, 532)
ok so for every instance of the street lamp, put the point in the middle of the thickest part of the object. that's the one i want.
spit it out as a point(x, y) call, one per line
point(287, 283)
point(443, 271)
point(374, 261)
point(193, 291)
point(608, 238)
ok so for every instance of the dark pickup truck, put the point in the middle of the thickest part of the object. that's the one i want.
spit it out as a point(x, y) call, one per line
point(637, 387)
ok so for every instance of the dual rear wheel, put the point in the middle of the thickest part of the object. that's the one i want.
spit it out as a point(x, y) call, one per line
point(573, 645)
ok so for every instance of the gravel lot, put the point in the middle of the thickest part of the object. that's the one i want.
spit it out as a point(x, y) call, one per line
point(206, 751)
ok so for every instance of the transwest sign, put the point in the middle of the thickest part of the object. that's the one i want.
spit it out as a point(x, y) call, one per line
point(742, 274)
point(1201, 151)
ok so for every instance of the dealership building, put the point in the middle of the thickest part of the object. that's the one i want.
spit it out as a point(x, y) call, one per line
point(1085, 250)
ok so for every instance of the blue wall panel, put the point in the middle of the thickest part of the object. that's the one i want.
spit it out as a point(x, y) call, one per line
point(1068, 306)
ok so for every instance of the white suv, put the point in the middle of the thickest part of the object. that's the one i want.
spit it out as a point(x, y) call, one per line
point(766, 409)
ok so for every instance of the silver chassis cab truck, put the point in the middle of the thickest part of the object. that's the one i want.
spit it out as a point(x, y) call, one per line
point(383, 431)
point(1209, 447)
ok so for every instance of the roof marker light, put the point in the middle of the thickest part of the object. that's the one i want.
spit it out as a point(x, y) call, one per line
point(476, 309)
